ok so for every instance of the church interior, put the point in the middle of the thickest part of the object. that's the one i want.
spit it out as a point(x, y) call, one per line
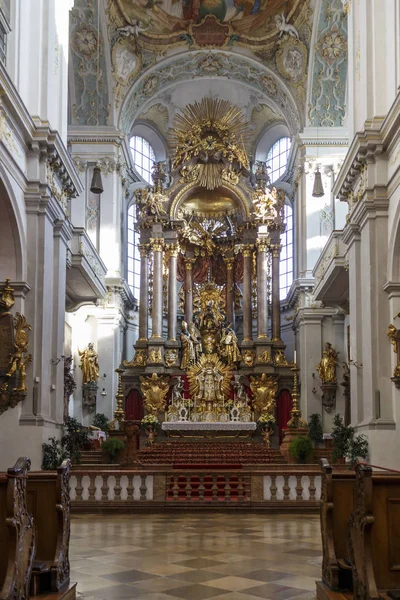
point(199, 299)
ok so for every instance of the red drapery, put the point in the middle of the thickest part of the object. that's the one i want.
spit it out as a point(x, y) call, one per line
point(134, 406)
point(283, 408)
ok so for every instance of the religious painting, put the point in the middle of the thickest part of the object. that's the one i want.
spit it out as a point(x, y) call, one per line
point(253, 17)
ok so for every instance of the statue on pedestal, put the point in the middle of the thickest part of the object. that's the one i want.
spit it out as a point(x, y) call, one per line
point(327, 366)
point(229, 346)
point(196, 340)
point(89, 364)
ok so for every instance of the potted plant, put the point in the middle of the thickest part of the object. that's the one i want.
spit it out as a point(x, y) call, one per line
point(101, 421)
point(301, 449)
point(53, 454)
point(150, 424)
point(342, 435)
point(113, 446)
point(358, 448)
point(315, 432)
point(266, 425)
point(74, 439)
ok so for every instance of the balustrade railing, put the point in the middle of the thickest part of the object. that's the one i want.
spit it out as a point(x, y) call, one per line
point(291, 486)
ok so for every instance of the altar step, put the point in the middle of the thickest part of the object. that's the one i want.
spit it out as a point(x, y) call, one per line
point(91, 457)
point(188, 453)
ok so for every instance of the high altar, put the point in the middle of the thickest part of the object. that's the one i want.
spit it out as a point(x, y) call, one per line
point(209, 353)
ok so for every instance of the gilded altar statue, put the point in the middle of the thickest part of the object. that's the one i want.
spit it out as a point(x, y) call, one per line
point(264, 389)
point(209, 384)
point(188, 353)
point(229, 346)
point(327, 366)
point(89, 364)
point(19, 358)
point(154, 390)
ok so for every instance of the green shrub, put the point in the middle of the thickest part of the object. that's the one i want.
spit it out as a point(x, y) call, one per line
point(315, 432)
point(342, 436)
point(100, 420)
point(301, 449)
point(53, 454)
point(358, 448)
point(112, 446)
point(75, 438)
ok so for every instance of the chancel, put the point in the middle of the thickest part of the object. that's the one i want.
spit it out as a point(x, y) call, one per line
point(199, 299)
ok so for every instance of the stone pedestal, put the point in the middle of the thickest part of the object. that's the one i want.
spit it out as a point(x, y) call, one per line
point(288, 436)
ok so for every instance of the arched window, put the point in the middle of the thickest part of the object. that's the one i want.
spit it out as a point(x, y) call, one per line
point(143, 157)
point(133, 265)
point(277, 158)
point(286, 260)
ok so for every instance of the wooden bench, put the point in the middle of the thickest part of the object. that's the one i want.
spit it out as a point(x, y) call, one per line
point(48, 499)
point(337, 504)
point(17, 533)
point(374, 535)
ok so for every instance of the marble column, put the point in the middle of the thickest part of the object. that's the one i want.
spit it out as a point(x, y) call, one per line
point(172, 293)
point(230, 313)
point(189, 289)
point(144, 293)
point(157, 306)
point(276, 301)
point(247, 316)
point(262, 297)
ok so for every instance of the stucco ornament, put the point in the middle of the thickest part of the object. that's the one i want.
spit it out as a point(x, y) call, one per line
point(332, 46)
point(86, 40)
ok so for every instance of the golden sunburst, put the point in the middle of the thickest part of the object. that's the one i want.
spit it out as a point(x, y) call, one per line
point(209, 361)
point(210, 138)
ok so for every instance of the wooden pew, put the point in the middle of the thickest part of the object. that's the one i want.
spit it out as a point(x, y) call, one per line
point(337, 504)
point(374, 534)
point(48, 499)
point(17, 533)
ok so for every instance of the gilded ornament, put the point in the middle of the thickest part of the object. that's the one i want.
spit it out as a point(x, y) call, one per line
point(209, 140)
point(155, 355)
point(264, 390)
point(139, 359)
point(280, 359)
point(265, 357)
point(188, 353)
point(249, 357)
point(170, 357)
point(154, 390)
point(327, 366)
point(229, 346)
point(7, 300)
point(209, 384)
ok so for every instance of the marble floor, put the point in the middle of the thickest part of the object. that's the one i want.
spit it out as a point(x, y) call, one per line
point(196, 556)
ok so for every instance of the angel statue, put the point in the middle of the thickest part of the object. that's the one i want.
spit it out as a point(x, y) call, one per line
point(132, 30)
point(327, 365)
point(230, 346)
point(154, 390)
point(264, 389)
point(89, 364)
point(284, 27)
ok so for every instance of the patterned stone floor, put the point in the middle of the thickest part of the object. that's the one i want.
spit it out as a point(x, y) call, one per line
point(196, 556)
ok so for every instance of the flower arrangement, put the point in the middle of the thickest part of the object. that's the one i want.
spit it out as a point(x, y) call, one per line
point(150, 420)
point(266, 421)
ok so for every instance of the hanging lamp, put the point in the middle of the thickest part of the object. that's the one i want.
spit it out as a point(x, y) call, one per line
point(96, 187)
point(318, 188)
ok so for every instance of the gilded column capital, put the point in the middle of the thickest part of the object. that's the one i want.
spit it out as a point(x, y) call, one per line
point(157, 244)
point(173, 249)
point(247, 250)
point(189, 263)
point(276, 250)
point(144, 250)
point(229, 263)
point(262, 244)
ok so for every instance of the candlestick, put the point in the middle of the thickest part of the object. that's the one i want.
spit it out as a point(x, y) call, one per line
point(296, 422)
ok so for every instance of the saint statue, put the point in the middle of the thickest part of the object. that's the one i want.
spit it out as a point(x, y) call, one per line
point(229, 346)
point(210, 384)
point(89, 364)
point(327, 366)
point(196, 340)
point(188, 352)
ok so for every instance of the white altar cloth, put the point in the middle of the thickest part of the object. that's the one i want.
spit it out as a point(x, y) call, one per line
point(207, 426)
